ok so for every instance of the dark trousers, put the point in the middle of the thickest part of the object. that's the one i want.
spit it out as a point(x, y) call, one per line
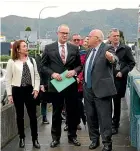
point(43, 109)
point(21, 96)
point(117, 111)
point(99, 115)
point(80, 110)
point(68, 95)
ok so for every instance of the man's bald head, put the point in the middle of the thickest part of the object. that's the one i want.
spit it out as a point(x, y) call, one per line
point(98, 33)
point(63, 33)
point(96, 36)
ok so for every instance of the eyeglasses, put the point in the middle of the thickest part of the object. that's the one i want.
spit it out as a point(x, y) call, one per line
point(64, 33)
point(76, 39)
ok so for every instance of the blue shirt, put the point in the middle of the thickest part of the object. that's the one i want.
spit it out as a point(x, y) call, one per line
point(88, 59)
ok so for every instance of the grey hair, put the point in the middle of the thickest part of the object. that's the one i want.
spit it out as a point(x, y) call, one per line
point(102, 36)
point(112, 30)
point(63, 25)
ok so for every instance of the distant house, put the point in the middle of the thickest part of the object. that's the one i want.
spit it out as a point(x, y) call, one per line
point(2, 38)
point(44, 42)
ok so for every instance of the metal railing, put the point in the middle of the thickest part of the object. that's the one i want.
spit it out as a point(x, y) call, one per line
point(3, 65)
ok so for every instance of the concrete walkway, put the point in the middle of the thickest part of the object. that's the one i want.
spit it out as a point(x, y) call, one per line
point(120, 141)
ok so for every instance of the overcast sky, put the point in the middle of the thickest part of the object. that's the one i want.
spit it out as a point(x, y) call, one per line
point(31, 8)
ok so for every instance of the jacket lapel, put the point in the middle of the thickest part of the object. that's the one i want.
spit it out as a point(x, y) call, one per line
point(57, 52)
point(98, 53)
point(120, 47)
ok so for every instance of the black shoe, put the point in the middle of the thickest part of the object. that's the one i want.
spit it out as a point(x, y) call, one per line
point(54, 143)
point(44, 120)
point(74, 141)
point(22, 143)
point(107, 148)
point(36, 144)
point(114, 131)
point(94, 144)
point(66, 128)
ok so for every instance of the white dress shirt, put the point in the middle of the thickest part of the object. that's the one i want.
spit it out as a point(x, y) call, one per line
point(60, 49)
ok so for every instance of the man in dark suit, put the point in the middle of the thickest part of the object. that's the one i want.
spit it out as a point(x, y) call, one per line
point(98, 90)
point(57, 58)
point(126, 64)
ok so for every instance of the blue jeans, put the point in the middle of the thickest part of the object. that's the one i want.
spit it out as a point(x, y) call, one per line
point(43, 109)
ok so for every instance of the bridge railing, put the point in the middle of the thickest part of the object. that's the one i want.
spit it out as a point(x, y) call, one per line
point(133, 101)
point(3, 65)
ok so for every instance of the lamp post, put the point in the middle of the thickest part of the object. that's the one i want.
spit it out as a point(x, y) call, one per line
point(138, 43)
point(39, 21)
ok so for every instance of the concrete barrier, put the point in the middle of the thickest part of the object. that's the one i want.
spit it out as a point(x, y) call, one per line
point(133, 102)
point(134, 74)
point(8, 123)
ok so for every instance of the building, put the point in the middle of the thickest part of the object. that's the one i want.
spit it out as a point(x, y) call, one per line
point(2, 38)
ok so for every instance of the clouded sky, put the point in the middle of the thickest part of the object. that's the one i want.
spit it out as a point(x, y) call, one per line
point(32, 8)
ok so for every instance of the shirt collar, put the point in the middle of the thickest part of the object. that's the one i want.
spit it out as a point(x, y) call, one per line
point(116, 46)
point(98, 47)
point(59, 44)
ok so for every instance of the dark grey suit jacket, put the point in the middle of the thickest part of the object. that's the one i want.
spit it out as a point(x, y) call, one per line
point(102, 73)
point(52, 62)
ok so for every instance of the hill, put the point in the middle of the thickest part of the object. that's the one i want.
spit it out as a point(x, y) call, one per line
point(79, 22)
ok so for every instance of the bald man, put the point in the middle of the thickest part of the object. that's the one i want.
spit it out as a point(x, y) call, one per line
point(98, 90)
point(57, 58)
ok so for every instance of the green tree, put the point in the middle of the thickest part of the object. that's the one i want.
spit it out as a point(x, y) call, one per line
point(28, 29)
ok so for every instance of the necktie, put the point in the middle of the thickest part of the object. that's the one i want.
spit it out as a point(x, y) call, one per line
point(90, 65)
point(63, 54)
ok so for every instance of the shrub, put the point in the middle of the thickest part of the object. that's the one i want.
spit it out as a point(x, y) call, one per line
point(4, 58)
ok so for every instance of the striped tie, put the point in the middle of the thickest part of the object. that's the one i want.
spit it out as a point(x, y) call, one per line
point(89, 70)
point(63, 54)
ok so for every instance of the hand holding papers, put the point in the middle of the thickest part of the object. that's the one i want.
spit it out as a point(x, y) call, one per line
point(64, 83)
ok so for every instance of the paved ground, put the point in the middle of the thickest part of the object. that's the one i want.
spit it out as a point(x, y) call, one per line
point(120, 141)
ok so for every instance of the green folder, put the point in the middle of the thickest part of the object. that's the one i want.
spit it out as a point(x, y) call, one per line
point(64, 83)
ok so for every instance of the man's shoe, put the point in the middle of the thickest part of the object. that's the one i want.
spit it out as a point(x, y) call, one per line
point(74, 141)
point(66, 128)
point(107, 148)
point(22, 143)
point(79, 127)
point(94, 144)
point(36, 144)
point(114, 131)
point(54, 143)
point(44, 120)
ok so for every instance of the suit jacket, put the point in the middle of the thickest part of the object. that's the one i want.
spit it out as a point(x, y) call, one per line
point(102, 73)
point(14, 74)
point(52, 62)
point(126, 63)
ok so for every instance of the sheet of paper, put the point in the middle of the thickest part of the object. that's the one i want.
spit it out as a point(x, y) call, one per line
point(64, 83)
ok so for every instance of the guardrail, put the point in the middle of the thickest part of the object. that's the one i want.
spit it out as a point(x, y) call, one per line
point(133, 95)
point(8, 123)
point(136, 109)
point(3, 64)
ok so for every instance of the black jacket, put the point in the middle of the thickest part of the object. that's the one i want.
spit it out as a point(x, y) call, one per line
point(52, 62)
point(126, 63)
